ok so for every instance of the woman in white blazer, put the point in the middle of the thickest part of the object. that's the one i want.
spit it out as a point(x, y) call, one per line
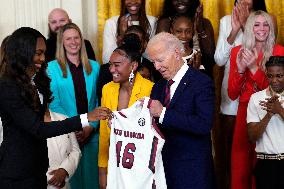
point(63, 154)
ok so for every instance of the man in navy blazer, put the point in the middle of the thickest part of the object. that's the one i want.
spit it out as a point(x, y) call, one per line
point(187, 121)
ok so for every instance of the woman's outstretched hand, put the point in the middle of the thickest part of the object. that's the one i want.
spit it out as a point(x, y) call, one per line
point(99, 113)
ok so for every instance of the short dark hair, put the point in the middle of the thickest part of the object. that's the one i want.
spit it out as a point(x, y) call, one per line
point(175, 18)
point(275, 61)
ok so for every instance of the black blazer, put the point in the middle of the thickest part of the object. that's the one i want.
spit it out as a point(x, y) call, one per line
point(23, 152)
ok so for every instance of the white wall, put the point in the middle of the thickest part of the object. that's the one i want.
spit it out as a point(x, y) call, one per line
point(34, 13)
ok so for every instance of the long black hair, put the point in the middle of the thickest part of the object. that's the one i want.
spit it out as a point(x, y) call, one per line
point(19, 54)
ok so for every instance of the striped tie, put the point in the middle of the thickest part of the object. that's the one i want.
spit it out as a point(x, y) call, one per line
point(167, 99)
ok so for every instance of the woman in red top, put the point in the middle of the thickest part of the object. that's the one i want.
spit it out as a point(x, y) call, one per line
point(247, 76)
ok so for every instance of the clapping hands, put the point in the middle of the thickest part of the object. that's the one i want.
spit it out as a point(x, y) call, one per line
point(239, 17)
point(242, 12)
point(125, 21)
point(247, 59)
point(272, 105)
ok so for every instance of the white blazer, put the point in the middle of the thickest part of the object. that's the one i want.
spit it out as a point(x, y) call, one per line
point(222, 58)
point(63, 152)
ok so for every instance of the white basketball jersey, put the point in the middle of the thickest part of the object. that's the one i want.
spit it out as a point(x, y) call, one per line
point(135, 159)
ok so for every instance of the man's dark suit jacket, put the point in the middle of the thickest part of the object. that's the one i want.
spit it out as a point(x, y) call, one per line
point(186, 125)
point(23, 152)
point(51, 49)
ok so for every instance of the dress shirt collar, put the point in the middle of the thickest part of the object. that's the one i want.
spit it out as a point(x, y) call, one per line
point(177, 78)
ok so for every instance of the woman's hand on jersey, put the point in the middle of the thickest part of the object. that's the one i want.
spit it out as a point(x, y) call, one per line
point(155, 108)
point(99, 113)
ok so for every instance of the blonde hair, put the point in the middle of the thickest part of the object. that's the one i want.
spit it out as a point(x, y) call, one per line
point(60, 50)
point(249, 37)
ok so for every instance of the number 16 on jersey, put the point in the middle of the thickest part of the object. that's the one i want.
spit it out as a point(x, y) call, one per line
point(128, 155)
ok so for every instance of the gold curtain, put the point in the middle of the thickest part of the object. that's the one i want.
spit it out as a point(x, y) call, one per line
point(213, 10)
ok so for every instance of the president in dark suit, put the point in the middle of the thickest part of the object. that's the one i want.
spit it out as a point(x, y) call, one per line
point(183, 104)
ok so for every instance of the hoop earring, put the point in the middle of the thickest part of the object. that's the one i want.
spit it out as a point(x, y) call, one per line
point(131, 77)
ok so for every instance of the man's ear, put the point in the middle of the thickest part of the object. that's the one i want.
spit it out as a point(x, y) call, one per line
point(177, 53)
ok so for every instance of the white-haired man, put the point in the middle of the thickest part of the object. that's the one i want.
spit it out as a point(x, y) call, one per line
point(183, 103)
